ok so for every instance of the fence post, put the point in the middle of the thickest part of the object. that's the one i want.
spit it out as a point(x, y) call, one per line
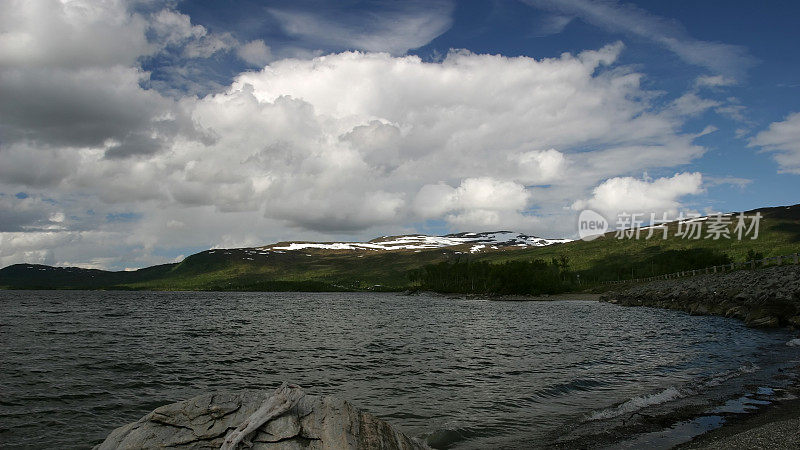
point(780, 259)
point(795, 258)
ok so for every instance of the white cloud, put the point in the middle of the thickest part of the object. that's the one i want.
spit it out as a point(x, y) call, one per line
point(783, 139)
point(714, 81)
point(490, 194)
point(397, 28)
point(739, 182)
point(474, 196)
point(722, 59)
point(642, 196)
point(690, 104)
point(256, 53)
point(733, 108)
point(540, 166)
point(552, 24)
point(173, 28)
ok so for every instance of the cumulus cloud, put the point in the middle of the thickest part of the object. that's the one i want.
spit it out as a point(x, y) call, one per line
point(407, 122)
point(641, 196)
point(474, 194)
point(782, 139)
point(478, 203)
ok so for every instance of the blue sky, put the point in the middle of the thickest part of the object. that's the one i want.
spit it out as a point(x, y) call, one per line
point(135, 133)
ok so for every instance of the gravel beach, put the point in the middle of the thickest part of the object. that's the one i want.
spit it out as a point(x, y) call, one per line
point(775, 427)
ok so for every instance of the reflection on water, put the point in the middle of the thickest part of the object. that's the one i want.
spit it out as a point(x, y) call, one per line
point(463, 372)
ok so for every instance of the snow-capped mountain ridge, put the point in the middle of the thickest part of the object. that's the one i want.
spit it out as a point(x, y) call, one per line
point(479, 241)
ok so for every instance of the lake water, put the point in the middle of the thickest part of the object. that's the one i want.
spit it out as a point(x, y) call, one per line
point(466, 373)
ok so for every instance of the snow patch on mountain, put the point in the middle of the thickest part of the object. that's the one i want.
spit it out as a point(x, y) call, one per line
point(479, 241)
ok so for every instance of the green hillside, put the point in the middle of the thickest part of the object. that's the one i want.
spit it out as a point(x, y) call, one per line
point(603, 259)
point(610, 258)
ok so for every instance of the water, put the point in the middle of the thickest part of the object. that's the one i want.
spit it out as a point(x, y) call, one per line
point(464, 373)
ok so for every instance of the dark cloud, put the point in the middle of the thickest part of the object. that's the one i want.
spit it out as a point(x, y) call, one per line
point(23, 165)
point(76, 108)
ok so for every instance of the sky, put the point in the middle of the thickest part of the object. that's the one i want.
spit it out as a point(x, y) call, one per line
point(135, 133)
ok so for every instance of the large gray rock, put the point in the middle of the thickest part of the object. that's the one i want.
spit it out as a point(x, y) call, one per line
point(314, 422)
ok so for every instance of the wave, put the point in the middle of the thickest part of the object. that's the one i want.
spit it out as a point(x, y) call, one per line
point(672, 393)
point(637, 403)
point(720, 378)
point(794, 343)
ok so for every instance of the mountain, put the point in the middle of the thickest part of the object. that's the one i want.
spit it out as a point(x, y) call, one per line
point(389, 262)
point(383, 261)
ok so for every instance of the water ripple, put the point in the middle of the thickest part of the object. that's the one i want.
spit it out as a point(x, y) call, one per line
point(467, 373)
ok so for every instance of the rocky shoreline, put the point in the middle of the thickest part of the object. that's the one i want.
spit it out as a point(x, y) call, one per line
point(766, 297)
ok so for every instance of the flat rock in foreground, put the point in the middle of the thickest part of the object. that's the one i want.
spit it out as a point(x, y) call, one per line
point(313, 422)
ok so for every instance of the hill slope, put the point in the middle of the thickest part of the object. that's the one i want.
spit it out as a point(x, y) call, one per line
point(387, 262)
point(311, 266)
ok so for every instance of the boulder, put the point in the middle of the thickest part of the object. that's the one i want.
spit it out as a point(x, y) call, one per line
point(284, 419)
